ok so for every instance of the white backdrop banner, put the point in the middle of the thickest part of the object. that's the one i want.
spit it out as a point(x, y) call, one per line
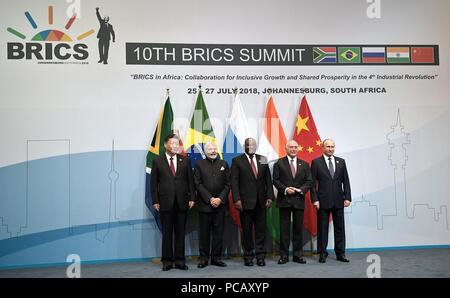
point(80, 101)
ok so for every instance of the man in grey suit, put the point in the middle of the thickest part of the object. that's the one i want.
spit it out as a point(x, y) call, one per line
point(330, 194)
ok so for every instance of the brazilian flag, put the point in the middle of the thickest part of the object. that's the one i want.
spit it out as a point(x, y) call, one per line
point(199, 132)
point(163, 128)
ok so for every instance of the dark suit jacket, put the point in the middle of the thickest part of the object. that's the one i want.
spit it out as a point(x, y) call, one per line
point(106, 31)
point(246, 187)
point(212, 179)
point(330, 192)
point(167, 189)
point(282, 178)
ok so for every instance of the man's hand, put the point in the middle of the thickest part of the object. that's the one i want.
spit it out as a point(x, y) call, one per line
point(114, 40)
point(317, 205)
point(290, 190)
point(238, 205)
point(156, 206)
point(191, 204)
point(268, 203)
point(347, 203)
point(215, 202)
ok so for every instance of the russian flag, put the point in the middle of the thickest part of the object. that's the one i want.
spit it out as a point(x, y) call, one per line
point(238, 130)
point(373, 55)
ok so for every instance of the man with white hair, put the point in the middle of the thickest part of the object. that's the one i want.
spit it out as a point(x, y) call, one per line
point(292, 178)
point(104, 36)
point(212, 182)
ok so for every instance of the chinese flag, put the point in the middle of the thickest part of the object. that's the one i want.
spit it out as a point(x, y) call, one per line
point(422, 55)
point(308, 139)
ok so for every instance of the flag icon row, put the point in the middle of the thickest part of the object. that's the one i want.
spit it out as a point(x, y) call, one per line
point(374, 55)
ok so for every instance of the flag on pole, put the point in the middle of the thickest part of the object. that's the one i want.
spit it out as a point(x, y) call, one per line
point(199, 132)
point(238, 130)
point(163, 128)
point(308, 139)
point(271, 145)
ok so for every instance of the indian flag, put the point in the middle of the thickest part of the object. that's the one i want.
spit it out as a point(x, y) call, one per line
point(397, 55)
point(271, 145)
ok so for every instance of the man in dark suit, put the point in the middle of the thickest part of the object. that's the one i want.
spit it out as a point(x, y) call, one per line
point(252, 192)
point(292, 178)
point(104, 35)
point(330, 194)
point(212, 182)
point(173, 193)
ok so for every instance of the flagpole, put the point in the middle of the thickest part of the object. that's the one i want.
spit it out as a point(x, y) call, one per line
point(239, 235)
point(273, 239)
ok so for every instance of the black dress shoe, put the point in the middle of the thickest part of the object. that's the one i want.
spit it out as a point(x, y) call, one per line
point(343, 259)
point(283, 260)
point(218, 263)
point(299, 260)
point(261, 262)
point(167, 267)
point(202, 264)
point(181, 266)
point(248, 263)
point(100, 61)
point(322, 258)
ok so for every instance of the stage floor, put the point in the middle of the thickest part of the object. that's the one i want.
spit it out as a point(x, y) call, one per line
point(394, 263)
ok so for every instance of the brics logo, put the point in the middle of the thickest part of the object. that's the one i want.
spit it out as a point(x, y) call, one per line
point(49, 45)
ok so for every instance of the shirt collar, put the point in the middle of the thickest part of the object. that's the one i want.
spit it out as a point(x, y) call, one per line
point(326, 157)
point(290, 158)
point(248, 156)
point(168, 156)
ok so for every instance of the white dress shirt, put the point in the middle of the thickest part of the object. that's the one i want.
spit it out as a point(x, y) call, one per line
point(254, 161)
point(333, 161)
point(174, 160)
point(290, 162)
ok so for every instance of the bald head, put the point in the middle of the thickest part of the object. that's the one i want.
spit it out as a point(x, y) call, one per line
point(250, 146)
point(291, 148)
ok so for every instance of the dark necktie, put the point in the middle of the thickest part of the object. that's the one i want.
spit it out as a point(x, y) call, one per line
point(253, 167)
point(293, 168)
point(172, 166)
point(330, 167)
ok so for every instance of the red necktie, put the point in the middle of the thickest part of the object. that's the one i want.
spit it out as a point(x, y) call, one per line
point(253, 167)
point(172, 166)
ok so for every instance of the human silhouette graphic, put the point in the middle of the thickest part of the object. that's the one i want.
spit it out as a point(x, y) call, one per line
point(104, 35)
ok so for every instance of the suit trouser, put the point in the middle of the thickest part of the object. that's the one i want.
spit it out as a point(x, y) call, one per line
point(103, 48)
point(323, 223)
point(285, 231)
point(211, 222)
point(173, 224)
point(254, 218)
